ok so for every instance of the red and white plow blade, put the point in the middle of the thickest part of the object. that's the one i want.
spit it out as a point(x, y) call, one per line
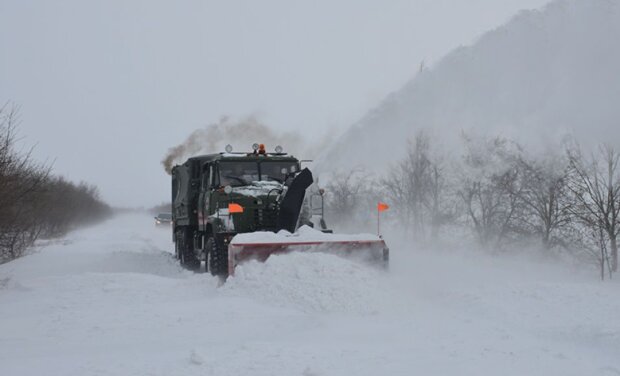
point(260, 245)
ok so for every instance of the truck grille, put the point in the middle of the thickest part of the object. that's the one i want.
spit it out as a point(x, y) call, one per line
point(265, 219)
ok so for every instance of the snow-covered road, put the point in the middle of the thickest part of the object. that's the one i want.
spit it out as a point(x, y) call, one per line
point(111, 300)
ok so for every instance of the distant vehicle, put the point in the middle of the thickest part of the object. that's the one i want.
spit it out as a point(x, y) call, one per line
point(163, 219)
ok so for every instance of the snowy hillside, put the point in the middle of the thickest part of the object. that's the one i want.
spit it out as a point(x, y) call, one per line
point(110, 300)
point(543, 75)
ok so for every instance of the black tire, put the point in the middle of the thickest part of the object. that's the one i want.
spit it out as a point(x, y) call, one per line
point(218, 258)
point(177, 254)
point(185, 248)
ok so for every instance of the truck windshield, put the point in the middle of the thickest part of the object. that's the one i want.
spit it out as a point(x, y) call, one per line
point(277, 170)
point(238, 173)
point(241, 173)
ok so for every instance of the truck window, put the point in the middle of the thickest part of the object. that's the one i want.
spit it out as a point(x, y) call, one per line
point(273, 170)
point(238, 174)
point(206, 182)
point(212, 180)
point(175, 187)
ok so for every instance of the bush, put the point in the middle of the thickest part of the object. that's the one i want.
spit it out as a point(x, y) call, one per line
point(33, 202)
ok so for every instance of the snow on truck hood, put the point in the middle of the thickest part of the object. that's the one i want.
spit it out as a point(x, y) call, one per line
point(258, 188)
point(304, 234)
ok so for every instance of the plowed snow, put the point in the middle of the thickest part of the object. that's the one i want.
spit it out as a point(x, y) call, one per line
point(311, 282)
point(111, 300)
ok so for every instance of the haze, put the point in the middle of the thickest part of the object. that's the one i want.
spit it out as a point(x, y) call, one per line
point(106, 88)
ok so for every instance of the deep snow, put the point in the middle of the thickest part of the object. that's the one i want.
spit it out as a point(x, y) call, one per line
point(305, 234)
point(110, 300)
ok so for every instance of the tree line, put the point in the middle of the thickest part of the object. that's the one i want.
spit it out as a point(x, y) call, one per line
point(496, 195)
point(34, 203)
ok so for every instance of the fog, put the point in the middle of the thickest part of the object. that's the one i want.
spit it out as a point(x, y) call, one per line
point(545, 76)
point(107, 88)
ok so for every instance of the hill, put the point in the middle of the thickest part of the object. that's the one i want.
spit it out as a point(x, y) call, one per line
point(545, 74)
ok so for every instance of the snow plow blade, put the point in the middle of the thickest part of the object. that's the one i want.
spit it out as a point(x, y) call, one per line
point(370, 250)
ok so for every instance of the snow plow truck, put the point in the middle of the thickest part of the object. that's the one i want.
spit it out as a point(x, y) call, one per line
point(234, 206)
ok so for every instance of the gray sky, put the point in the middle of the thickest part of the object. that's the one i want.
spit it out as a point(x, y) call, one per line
point(105, 88)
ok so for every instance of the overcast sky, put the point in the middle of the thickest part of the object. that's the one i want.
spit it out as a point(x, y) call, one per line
point(105, 88)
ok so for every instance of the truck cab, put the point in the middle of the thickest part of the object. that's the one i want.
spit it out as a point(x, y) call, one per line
point(216, 196)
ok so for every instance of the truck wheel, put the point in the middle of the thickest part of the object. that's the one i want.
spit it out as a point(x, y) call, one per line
point(186, 251)
point(218, 258)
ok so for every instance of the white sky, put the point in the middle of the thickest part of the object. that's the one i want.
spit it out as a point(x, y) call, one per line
point(105, 88)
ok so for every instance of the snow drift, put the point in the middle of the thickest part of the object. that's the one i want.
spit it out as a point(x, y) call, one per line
point(111, 300)
point(304, 234)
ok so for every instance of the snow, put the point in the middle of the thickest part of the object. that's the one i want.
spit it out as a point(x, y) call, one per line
point(304, 234)
point(226, 219)
point(259, 188)
point(111, 300)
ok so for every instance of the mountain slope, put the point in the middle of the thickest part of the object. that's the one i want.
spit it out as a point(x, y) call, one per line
point(545, 74)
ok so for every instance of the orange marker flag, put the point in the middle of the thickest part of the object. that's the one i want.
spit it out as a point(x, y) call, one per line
point(235, 208)
point(382, 206)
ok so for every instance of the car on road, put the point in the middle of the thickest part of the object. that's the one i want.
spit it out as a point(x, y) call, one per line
point(163, 219)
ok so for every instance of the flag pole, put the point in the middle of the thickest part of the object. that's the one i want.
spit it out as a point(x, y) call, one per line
point(380, 207)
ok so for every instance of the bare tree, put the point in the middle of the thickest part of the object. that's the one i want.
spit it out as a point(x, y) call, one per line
point(547, 198)
point(437, 203)
point(418, 188)
point(595, 185)
point(490, 188)
point(350, 197)
point(408, 185)
point(32, 202)
point(20, 181)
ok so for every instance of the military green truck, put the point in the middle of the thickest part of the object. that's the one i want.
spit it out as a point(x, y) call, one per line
point(217, 196)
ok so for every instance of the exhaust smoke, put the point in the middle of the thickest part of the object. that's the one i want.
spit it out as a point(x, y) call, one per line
point(241, 134)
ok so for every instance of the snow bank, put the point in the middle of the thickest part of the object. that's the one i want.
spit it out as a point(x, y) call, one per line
point(96, 305)
point(304, 234)
point(311, 282)
point(258, 188)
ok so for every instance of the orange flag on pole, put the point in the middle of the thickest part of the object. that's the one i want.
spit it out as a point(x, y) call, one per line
point(382, 206)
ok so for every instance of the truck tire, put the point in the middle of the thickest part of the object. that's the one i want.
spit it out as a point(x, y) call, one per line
point(218, 258)
point(185, 248)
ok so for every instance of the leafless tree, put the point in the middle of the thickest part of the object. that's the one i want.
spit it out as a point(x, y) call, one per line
point(595, 185)
point(350, 197)
point(408, 185)
point(490, 188)
point(547, 198)
point(417, 186)
point(20, 180)
point(437, 203)
point(32, 202)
